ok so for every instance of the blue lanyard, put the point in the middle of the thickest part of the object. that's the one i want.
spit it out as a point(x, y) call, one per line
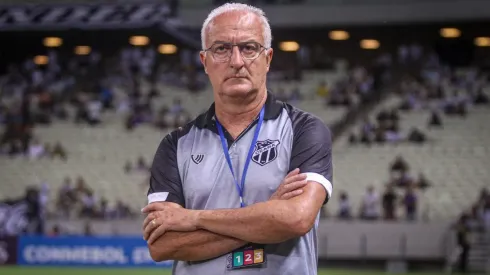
point(224, 143)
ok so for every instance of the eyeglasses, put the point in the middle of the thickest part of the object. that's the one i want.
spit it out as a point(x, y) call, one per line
point(222, 51)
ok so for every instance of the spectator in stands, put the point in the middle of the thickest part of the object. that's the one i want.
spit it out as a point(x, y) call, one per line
point(402, 180)
point(389, 203)
point(94, 110)
point(423, 182)
point(36, 149)
point(122, 210)
point(176, 107)
point(55, 231)
point(59, 152)
point(352, 138)
point(410, 203)
point(81, 188)
point(435, 119)
point(87, 230)
point(66, 198)
point(403, 53)
point(104, 212)
point(367, 128)
point(416, 136)
point(106, 97)
point(88, 201)
point(367, 131)
point(481, 98)
point(141, 164)
point(295, 95)
point(399, 165)
point(163, 118)
point(131, 121)
point(383, 117)
point(181, 119)
point(394, 116)
point(484, 195)
point(369, 205)
point(483, 203)
point(475, 218)
point(344, 207)
point(486, 214)
point(322, 89)
point(463, 242)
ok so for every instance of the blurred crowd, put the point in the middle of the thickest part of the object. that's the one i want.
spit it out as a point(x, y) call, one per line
point(400, 195)
point(75, 199)
point(81, 89)
point(386, 130)
point(477, 217)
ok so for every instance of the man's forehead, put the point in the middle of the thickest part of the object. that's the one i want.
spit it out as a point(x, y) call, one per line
point(236, 26)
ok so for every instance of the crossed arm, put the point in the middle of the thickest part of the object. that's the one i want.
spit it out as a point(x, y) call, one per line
point(217, 232)
point(196, 245)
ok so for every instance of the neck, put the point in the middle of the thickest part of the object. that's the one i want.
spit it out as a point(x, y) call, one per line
point(235, 115)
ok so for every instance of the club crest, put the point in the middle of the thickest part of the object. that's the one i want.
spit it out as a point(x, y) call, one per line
point(197, 158)
point(265, 151)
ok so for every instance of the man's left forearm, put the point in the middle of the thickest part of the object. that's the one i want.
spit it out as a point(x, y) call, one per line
point(266, 222)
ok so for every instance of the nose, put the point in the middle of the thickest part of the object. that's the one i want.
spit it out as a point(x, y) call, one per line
point(236, 60)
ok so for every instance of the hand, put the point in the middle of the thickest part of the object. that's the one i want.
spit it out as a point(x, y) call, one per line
point(165, 216)
point(291, 186)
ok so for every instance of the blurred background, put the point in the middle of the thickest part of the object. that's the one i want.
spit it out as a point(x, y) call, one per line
point(89, 88)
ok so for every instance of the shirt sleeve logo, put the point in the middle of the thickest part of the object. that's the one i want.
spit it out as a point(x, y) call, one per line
point(265, 151)
point(197, 158)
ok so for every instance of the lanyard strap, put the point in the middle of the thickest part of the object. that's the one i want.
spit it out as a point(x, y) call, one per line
point(224, 143)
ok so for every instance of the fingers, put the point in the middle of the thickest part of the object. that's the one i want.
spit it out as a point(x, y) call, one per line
point(292, 173)
point(159, 231)
point(150, 228)
point(148, 219)
point(293, 189)
point(159, 206)
point(295, 185)
point(153, 207)
point(298, 177)
point(292, 194)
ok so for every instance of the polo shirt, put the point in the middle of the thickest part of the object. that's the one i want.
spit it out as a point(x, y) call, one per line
point(191, 170)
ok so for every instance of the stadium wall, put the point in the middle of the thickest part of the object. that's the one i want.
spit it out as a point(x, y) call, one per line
point(85, 251)
point(119, 244)
point(100, 251)
point(337, 240)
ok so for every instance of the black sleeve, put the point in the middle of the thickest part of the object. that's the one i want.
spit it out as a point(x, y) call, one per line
point(312, 149)
point(165, 183)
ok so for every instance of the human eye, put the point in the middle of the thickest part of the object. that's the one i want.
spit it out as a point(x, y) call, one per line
point(220, 48)
point(250, 47)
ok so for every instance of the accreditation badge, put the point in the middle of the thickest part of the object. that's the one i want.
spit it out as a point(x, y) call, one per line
point(248, 256)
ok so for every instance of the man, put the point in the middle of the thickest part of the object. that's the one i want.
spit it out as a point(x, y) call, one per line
point(226, 193)
point(389, 203)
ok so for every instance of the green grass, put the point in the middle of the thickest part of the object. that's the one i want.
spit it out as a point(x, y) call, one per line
point(149, 271)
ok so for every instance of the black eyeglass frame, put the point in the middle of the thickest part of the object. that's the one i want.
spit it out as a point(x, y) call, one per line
point(262, 48)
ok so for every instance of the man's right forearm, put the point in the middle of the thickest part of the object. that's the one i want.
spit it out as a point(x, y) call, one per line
point(198, 245)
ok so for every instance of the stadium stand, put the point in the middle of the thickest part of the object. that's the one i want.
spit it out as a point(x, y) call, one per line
point(451, 157)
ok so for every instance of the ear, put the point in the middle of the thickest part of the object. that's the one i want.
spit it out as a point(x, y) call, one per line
point(202, 56)
point(268, 57)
